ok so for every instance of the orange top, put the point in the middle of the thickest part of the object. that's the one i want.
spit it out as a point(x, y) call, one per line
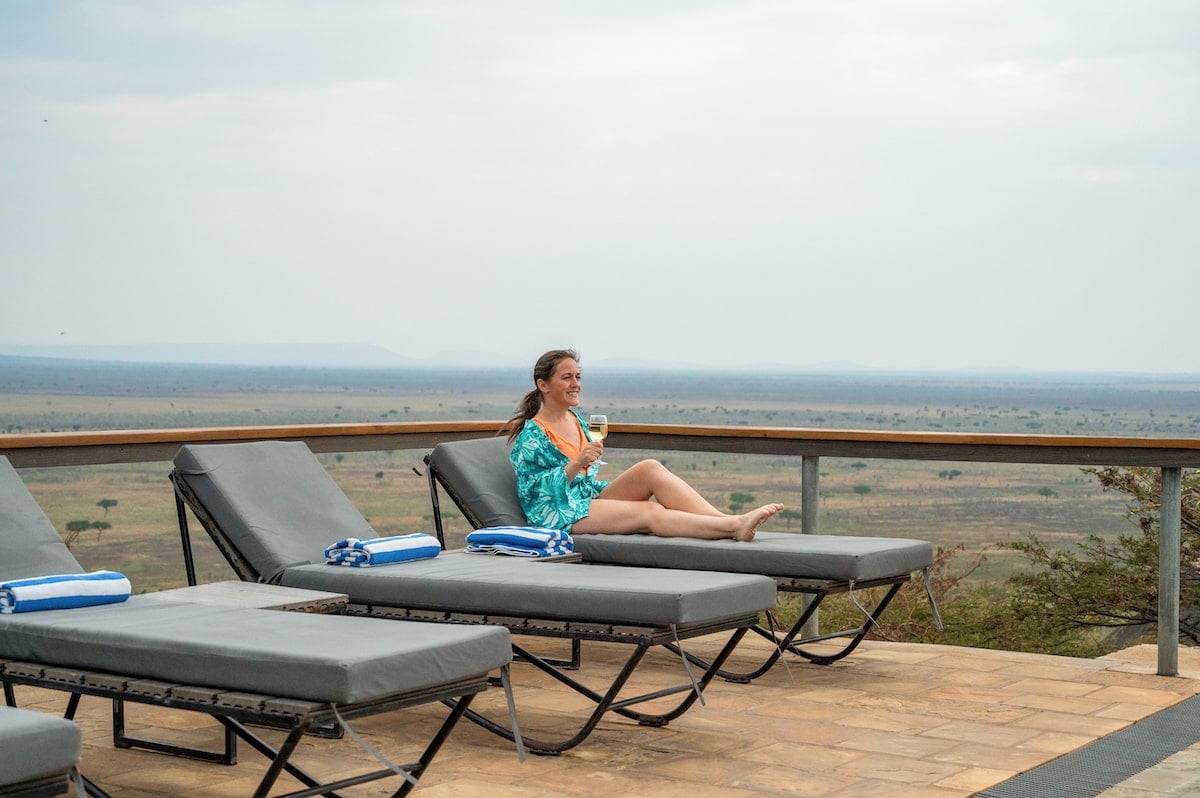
point(572, 449)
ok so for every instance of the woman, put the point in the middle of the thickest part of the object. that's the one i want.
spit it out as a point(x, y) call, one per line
point(553, 455)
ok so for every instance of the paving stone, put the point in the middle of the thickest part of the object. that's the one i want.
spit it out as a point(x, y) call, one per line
point(892, 720)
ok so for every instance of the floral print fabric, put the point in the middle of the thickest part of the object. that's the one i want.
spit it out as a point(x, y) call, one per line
point(546, 497)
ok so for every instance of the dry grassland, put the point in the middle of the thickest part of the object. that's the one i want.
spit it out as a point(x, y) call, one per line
point(984, 504)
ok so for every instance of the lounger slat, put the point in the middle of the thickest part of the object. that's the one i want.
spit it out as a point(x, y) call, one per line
point(65, 676)
point(201, 696)
point(24, 670)
point(150, 688)
point(251, 702)
point(104, 681)
point(290, 706)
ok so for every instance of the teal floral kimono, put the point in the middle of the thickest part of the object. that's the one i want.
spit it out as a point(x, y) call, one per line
point(546, 497)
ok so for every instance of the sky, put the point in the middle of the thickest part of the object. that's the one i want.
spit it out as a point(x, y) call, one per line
point(896, 184)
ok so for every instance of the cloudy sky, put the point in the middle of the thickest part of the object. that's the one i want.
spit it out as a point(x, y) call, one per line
point(902, 184)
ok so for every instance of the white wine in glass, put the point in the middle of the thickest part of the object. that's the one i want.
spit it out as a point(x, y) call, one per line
point(598, 429)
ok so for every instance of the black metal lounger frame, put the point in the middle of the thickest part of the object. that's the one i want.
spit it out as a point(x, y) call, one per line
point(642, 638)
point(236, 709)
point(791, 640)
point(40, 787)
point(43, 787)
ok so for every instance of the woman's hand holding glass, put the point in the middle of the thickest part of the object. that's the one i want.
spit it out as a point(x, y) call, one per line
point(589, 457)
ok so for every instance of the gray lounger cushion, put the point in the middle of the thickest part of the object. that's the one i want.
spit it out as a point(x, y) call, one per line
point(781, 554)
point(480, 475)
point(40, 551)
point(35, 746)
point(273, 499)
point(519, 587)
point(483, 479)
point(280, 508)
point(297, 655)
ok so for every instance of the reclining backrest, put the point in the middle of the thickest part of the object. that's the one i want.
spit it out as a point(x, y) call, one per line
point(274, 501)
point(480, 479)
point(29, 544)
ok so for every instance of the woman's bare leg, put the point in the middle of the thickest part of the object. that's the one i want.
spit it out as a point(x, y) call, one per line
point(650, 478)
point(624, 517)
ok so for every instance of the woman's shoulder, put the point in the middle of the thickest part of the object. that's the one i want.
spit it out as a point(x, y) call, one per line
point(531, 436)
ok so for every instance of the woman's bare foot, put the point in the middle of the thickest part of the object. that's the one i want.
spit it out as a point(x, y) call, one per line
point(752, 520)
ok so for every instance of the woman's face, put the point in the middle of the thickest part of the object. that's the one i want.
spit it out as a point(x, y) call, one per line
point(562, 389)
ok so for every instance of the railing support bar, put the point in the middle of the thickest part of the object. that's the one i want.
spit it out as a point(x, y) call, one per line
point(810, 475)
point(1170, 512)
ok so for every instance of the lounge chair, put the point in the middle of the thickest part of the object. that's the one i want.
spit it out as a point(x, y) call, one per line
point(479, 478)
point(38, 754)
point(288, 670)
point(272, 508)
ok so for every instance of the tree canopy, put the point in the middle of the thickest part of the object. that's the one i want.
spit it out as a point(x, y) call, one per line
point(1113, 585)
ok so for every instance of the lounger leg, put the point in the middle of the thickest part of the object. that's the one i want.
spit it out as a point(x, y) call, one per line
point(859, 634)
point(788, 641)
point(122, 740)
point(279, 757)
point(744, 677)
point(185, 539)
point(281, 761)
point(92, 789)
point(72, 706)
point(608, 701)
point(435, 745)
point(437, 510)
point(711, 670)
point(572, 664)
point(603, 703)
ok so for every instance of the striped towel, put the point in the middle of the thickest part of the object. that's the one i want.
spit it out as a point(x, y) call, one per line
point(358, 553)
point(519, 551)
point(63, 591)
point(520, 541)
point(526, 536)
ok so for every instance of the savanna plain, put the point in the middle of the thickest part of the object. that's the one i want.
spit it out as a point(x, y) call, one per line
point(123, 516)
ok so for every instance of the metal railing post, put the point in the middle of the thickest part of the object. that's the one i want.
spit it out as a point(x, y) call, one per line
point(1169, 515)
point(810, 475)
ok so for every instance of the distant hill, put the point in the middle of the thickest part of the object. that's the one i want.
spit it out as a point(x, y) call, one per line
point(324, 355)
point(343, 355)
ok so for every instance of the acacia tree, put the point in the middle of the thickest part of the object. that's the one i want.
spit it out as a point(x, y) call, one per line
point(738, 500)
point(1113, 585)
point(74, 528)
point(789, 515)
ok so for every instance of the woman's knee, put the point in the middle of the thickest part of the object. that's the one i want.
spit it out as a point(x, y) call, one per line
point(649, 469)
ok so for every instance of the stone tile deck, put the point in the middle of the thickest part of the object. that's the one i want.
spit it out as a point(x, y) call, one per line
point(892, 720)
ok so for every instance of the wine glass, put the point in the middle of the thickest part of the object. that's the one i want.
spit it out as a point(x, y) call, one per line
point(598, 428)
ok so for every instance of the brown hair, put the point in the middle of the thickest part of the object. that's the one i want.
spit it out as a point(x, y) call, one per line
point(531, 402)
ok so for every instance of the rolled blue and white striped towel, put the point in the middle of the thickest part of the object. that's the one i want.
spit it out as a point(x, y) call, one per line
point(520, 541)
point(520, 551)
point(359, 553)
point(525, 536)
point(63, 591)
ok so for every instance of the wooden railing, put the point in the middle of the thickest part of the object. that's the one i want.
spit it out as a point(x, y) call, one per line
point(1171, 455)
